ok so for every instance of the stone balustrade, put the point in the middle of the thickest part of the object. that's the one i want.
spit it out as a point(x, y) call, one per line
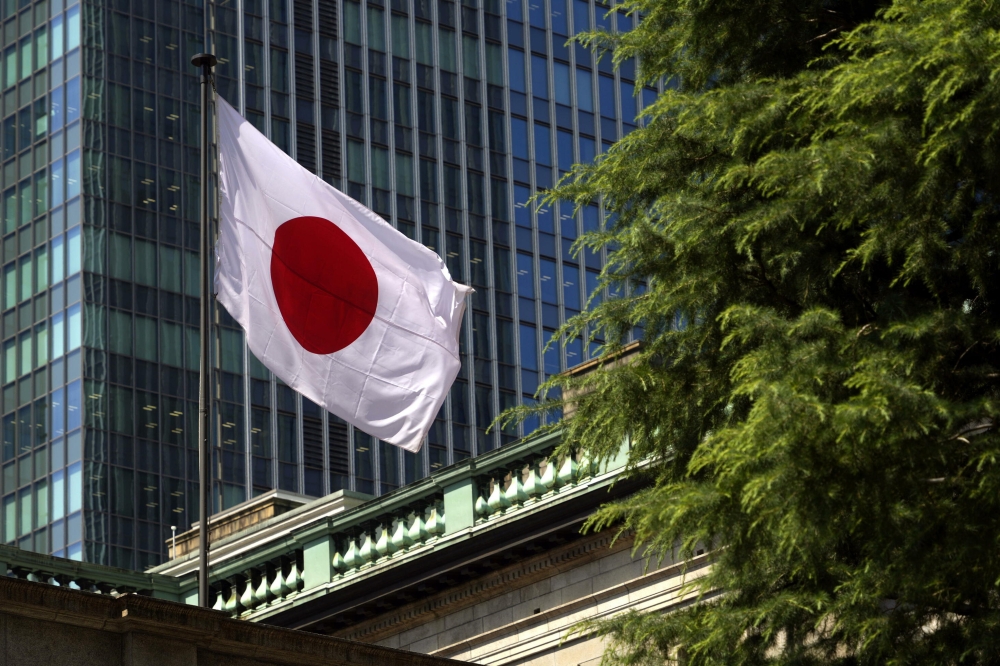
point(526, 481)
point(95, 578)
point(397, 525)
point(268, 582)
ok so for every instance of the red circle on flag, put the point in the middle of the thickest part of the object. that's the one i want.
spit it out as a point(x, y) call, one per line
point(325, 286)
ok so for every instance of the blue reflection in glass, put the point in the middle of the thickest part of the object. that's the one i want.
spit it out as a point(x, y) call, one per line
point(629, 111)
point(56, 102)
point(74, 405)
point(519, 138)
point(543, 145)
point(539, 76)
point(584, 91)
point(72, 99)
point(515, 62)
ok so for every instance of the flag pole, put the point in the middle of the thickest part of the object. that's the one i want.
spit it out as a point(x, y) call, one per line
point(206, 61)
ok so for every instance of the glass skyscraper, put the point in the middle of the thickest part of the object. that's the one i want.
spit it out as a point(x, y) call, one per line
point(442, 117)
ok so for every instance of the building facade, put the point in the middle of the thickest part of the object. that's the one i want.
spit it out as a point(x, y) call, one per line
point(442, 117)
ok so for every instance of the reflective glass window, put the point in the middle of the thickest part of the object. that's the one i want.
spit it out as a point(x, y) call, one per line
point(519, 138)
point(539, 76)
point(515, 67)
point(376, 28)
point(529, 347)
point(628, 101)
point(525, 275)
point(543, 146)
point(584, 91)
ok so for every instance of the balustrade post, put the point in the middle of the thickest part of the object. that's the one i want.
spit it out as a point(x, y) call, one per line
point(483, 494)
point(368, 552)
point(515, 492)
point(317, 562)
point(417, 531)
point(436, 523)
point(384, 545)
point(401, 538)
point(460, 505)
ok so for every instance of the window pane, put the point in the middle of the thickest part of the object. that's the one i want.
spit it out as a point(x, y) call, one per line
point(525, 275)
point(584, 91)
point(73, 252)
point(400, 36)
point(24, 342)
point(352, 22)
point(628, 101)
point(26, 274)
point(73, 28)
point(58, 494)
point(571, 287)
point(561, 77)
point(539, 77)
point(425, 44)
point(41, 269)
point(41, 504)
point(547, 279)
point(558, 15)
point(9, 361)
point(356, 161)
point(380, 168)
point(9, 286)
point(607, 90)
point(543, 147)
point(145, 263)
point(515, 64)
point(9, 518)
point(519, 138)
point(401, 106)
point(529, 347)
point(75, 327)
point(73, 174)
point(376, 28)
point(56, 27)
point(75, 487)
point(58, 335)
point(446, 50)
point(170, 268)
point(581, 15)
point(120, 332)
point(145, 338)
point(170, 343)
point(565, 140)
point(24, 498)
point(119, 257)
point(470, 56)
point(41, 345)
point(279, 70)
point(232, 350)
point(494, 64)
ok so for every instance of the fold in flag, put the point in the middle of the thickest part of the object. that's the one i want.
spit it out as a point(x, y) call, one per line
point(343, 308)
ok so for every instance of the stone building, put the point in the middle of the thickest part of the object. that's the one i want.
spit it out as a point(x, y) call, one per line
point(48, 624)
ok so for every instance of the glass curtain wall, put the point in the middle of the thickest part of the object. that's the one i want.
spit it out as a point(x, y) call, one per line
point(443, 117)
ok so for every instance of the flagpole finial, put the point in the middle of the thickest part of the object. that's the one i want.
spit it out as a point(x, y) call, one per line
point(204, 60)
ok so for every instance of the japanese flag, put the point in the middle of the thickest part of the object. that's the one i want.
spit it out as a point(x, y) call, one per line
point(334, 301)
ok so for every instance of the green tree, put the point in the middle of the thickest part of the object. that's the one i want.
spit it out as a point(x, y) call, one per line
point(806, 230)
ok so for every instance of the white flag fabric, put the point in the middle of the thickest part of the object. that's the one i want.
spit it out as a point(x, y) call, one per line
point(342, 307)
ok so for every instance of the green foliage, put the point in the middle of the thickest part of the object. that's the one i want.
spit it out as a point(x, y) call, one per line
point(812, 211)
